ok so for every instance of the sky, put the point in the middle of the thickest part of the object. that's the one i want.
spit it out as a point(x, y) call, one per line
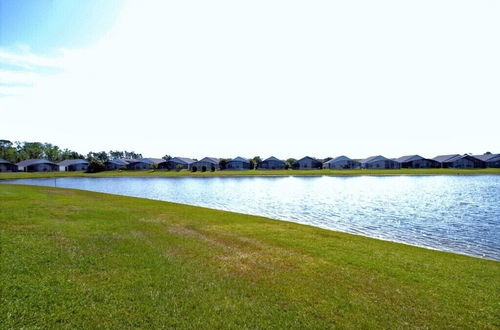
point(246, 78)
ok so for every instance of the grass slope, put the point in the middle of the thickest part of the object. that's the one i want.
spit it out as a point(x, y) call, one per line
point(163, 173)
point(72, 258)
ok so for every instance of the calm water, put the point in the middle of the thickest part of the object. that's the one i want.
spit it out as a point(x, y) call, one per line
point(451, 213)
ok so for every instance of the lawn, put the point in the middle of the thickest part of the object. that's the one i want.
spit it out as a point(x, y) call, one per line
point(78, 259)
point(164, 173)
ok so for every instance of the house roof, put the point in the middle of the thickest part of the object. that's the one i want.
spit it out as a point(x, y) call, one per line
point(308, 157)
point(182, 160)
point(29, 162)
point(409, 158)
point(68, 162)
point(152, 160)
point(487, 158)
point(374, 159)
point(3, 161)
point(240, 159)
point(444, 158)
point(338, 159)
point(212, 160)
point(118, 161)
point(272, 158)
point(146, 160)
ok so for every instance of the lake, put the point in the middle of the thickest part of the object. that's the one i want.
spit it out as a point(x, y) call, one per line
point(450, 213)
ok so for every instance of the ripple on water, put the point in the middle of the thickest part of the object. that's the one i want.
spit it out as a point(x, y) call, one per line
point(451, 213)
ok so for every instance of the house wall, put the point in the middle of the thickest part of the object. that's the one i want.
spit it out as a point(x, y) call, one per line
point(112, 166)
point(42, 168)
point(77, 167)
point(308, 163)
point(272, 165)
point(199, 166)
point(421, 163)
point(343, 164)
point(237, 165)
point(465, 163)
point(494, 162)
point(172, 165)
point(382, 164)
point(8, 168)
point(139, 166)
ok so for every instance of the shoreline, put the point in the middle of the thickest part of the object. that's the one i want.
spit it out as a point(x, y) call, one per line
point(253, 173)
point(271, 219)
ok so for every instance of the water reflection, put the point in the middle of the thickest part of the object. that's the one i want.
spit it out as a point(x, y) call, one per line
point(451, 213)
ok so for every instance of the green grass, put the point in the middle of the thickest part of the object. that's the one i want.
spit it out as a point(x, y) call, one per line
point(163, 173)
point(77, 259)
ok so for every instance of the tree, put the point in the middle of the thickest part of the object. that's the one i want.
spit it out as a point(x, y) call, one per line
point(116, 154)
point(101, 156)
point(167, 157)
point(223, 163)
point(8, 152)
point(256, 160)
point(291, 163)
point(95, 166)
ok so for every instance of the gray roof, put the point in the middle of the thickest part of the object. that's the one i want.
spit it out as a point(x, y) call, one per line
point(29, 162)
point(240, 159)
point(151, 160)
point(338, 159)
point(308, 157)
point(182, 160)
point(410, 158)
point(486, 158)
point(212, 160)
point(118, 161)
point(272, 158)
point(444, 158)
point(453, 158)
point(68, 162)
point(3, 161)
point(374, 159)
point(146, 160)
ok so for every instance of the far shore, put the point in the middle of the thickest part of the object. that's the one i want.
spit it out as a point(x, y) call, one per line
point(248, 173)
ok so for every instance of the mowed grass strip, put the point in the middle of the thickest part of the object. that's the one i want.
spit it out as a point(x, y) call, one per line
point(228, 173)
point(80, 259)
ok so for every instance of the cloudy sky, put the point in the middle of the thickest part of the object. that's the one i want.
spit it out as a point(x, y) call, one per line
point(227, 78)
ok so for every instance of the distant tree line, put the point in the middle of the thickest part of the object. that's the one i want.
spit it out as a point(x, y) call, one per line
point(17, 151)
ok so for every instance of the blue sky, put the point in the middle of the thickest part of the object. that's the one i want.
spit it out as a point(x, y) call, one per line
point(44, 26)
point(229, 78)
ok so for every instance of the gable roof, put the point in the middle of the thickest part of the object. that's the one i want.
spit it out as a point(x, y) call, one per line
point(29, 162)
point(240, 159)
point(272, 158)
point(374, 159)
point(211, 160)
point(68, 162)
point(3, 161)
point(118, 161)
point(147, 160)
point(409, 158)
point(308, 157)
point(338, 159)
point(153, 160)
point(182, 160)
point(487, 158)
point(444, 158)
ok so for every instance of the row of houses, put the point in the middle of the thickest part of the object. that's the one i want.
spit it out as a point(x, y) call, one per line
point(271, 163)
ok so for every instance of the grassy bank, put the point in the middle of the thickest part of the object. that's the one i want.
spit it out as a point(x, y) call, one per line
point(161, 173)
point(81, 259)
